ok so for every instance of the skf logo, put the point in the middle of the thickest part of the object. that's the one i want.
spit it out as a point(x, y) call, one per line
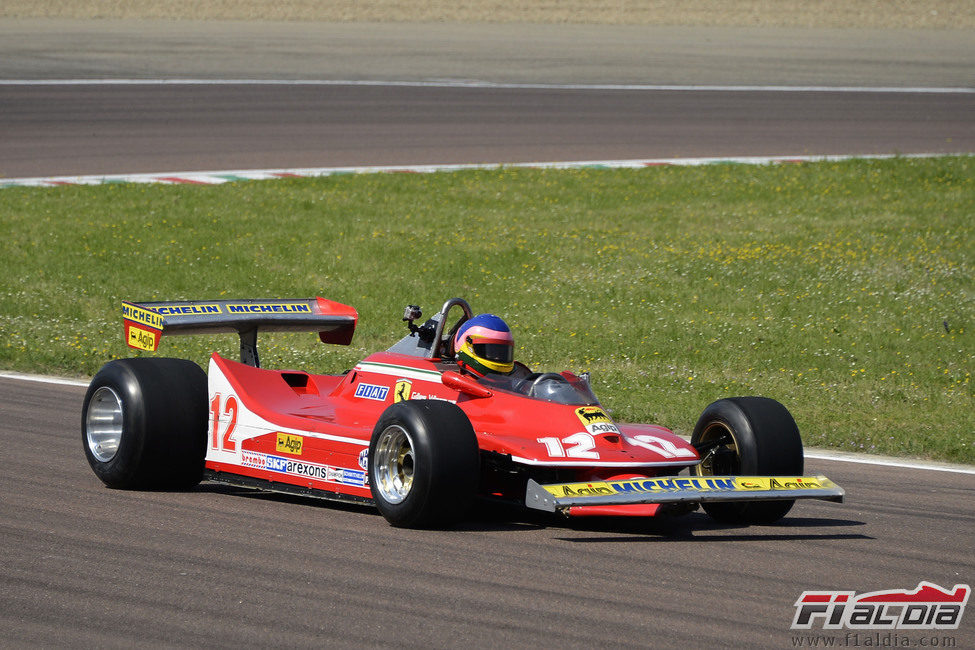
point(275, 464)
point(592, 415)
point(928, 607)
point(289, 444)
point(402, 391)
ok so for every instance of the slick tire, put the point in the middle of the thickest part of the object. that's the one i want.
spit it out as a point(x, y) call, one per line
point(144, 423)
point(750, 436)
point(424, 465)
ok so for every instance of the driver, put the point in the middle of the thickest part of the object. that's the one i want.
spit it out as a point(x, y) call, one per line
point(484, 347)
point(483, 344)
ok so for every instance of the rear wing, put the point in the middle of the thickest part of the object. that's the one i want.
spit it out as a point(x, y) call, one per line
point(145, 323)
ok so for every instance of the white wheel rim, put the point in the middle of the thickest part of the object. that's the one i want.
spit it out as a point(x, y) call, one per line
point(103, 424)
point(394, 464)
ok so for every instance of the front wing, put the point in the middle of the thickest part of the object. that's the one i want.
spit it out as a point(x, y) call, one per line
point(677, 489)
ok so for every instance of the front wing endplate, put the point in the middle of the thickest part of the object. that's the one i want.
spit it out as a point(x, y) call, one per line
point(677, 489)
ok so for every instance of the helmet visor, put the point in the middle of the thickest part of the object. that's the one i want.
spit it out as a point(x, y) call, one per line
point(496, 352)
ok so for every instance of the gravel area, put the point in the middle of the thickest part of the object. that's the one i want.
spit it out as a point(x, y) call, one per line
point(871, 14)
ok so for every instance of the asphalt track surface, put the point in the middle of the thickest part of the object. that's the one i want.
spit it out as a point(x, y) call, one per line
point(111, 129)
point(89, 566)
point(104, 129)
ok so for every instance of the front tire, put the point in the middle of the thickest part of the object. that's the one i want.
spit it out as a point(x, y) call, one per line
point(747, 436)
point(424, 463)
point(144, 422)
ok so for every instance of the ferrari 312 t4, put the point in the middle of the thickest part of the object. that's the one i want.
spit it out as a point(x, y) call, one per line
point(407, 430)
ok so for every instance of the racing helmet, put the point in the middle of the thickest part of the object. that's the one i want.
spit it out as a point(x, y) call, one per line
point(484, 344)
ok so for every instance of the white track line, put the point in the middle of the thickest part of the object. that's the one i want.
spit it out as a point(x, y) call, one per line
point(816, 454)
point(470, 83)
point(218, 177)
point(43, 379)
point(865, 459)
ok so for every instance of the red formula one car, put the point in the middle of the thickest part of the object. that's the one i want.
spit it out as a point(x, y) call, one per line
point(408, 430)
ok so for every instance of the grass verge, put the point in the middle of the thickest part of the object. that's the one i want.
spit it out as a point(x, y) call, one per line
point(842, 289)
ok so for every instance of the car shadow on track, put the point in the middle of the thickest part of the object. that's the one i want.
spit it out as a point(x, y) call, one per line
point(698, 527)
point(283, 497)
point(490, 516)
point(484, 517)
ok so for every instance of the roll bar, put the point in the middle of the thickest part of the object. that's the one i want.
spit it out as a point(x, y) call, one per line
point(441, 319)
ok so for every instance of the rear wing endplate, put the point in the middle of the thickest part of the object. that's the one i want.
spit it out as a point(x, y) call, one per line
point(145, 323)
point(677, 489)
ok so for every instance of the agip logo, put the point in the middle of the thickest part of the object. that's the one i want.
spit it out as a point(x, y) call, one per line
point(289, 444)
point(596, 420)
point(593, 415)
point(928, 607)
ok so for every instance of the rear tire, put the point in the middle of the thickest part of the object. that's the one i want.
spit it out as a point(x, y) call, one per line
point(750, 436)
point(144, 423)
point(424, 464)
